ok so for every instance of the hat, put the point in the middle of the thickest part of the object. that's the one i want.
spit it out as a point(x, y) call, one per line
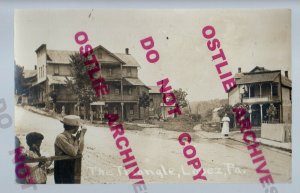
point(72, 120)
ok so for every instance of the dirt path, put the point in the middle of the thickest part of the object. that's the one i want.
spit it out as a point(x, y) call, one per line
point(158, 154)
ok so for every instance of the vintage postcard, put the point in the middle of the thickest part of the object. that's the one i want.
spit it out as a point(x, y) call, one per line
point(153, 96)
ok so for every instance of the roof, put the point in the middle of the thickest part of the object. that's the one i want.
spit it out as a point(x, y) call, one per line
point(29, 73)
point(261, 74)
point(154, 90)
point(238, 75)
point(128, 59)
point(217, 109)
point(109, 52)
point(58, 79)
point(286, 82)
point(63, 57)
point(247, 78)
point(97, 103)
point(59, 56)
point(259, 69)
point(133, 81)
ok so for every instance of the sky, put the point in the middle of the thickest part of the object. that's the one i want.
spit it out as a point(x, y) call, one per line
point(248, 37)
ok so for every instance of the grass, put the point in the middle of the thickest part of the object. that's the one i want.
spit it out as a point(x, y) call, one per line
point(181, 123)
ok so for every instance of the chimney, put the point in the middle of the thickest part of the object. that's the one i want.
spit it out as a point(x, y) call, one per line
point(35, 67)
point(239, 70)
point(127, 51)
point(286, 73)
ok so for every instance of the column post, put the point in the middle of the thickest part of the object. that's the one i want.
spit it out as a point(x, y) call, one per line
point(260, 90)
point(271, 90)
point(122, 111)
point(249, 91)
point(122, 95)
point(261, 113)
point(101, 112)
point(250, 112)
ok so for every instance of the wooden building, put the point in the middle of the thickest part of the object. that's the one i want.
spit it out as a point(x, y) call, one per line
point(120, 71)
point(261, 89)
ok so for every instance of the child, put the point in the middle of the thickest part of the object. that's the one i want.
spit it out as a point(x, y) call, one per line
point(38, 171)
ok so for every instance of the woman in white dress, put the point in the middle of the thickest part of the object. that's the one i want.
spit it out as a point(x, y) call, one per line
point(225, 128)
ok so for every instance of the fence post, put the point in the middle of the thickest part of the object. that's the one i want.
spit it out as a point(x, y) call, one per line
point(77, 172)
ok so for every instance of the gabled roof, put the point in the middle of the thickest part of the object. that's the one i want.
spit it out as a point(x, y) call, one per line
point(128, 59)
point(29, 73)
point(248, 78)
point(59, 56)
point(259, 69)
point(110, 53)
point(154, 89)
point(63, 57)
point(261, 74)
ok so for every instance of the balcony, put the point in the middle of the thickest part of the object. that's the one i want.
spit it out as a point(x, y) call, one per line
point(118, 98)
point(261, 99)
point(115, 77)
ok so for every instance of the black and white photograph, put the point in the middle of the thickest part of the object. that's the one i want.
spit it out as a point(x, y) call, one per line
point(164, 113)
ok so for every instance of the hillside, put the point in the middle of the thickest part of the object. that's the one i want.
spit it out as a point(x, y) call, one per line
point(201, 107)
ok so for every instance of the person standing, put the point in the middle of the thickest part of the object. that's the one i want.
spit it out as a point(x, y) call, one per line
point(68, 144)
point(38, 171)
point(225, 128)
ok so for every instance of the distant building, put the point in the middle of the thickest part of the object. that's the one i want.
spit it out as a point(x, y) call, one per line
point(155, 101)
point(30, 77)
point(259, 89)
point(52, 69)
point(215, 115)
point(120, 71)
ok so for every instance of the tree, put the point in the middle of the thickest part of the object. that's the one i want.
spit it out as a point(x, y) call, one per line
point(81, 83)
point(19, 79)
point(228, 110)
point(208, 115)
point(144, 101)
point(181, 97)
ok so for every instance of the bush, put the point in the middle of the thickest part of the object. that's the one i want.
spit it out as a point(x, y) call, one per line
point(196, 117)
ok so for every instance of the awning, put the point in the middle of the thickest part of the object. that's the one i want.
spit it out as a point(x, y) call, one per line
point(58, 79)
point(133, 81)
point(101, 103)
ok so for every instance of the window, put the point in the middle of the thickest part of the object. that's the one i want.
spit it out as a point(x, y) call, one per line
point(56, 69)
point(100, 55)
point(115, 110)
point(129, 73)
point(130, 91)
point(117, 91)
point(110, 72)
point(274, 90)
point(131, 111)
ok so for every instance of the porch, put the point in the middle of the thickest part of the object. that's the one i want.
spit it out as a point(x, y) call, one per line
point(265, 113)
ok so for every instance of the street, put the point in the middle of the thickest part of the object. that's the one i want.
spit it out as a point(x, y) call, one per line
point(158, 153)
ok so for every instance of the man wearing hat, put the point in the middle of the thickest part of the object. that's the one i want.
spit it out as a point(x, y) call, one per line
point(68, 144)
